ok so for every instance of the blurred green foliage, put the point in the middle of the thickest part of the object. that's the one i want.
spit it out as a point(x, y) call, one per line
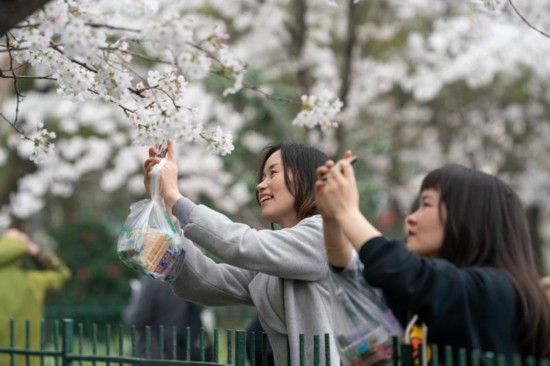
point(99, 277)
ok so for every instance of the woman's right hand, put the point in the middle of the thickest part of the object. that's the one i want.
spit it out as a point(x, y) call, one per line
point(321, 192)
point(169, 189)
point(338, 192)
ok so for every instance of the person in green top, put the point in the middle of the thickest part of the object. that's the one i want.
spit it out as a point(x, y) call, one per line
point(23, 291)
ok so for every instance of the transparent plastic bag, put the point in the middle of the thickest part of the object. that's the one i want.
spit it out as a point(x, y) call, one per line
point(363, 325)
point(149, 241)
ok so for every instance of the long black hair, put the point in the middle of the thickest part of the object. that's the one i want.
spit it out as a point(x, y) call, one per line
point(299, 162)
point(486, 225)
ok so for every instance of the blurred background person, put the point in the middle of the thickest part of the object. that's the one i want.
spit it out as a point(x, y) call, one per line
point(153, 303)
point(24, 290)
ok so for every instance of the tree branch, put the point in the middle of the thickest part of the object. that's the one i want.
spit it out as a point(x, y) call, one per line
point(526, 21)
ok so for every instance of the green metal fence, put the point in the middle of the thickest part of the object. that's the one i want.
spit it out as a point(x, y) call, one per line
point(67, 344)
point(225, 316)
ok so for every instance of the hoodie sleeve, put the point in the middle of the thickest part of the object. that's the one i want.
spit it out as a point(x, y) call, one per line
point(51, 280)
point(293, 253)
point(11, 250)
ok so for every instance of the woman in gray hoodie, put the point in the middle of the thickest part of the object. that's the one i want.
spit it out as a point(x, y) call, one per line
point(283, 273)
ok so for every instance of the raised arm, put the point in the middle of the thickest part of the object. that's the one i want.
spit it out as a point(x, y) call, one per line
point(337, 246)
point(289, 253)
point(206, 282)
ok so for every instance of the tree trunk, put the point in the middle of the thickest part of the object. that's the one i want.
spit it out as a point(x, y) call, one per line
point(14, 11)
point(533, 218)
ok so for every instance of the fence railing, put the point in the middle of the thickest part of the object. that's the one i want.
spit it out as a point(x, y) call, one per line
point(227, 316)
point(67, 344)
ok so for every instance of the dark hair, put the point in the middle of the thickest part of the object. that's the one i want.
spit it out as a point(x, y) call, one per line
point(486, 225)
point(301, 162)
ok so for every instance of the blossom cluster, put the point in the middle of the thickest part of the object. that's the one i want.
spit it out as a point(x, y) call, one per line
point(90, 57)
point(318, 111)
point(429, 83)
point(491, 6)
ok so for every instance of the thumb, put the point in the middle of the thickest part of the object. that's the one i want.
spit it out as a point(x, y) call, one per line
point(170, 156)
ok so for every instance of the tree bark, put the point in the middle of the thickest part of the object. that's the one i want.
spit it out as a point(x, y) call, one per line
point(533, 217)
point(349, 45)
point(14, 11)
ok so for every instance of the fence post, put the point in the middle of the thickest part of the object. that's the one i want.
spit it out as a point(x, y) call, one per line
point(435, 355)
point(407, 355)
point(202, 344)
point(229, 347)
point(216, 346)
point(489, 359)
point(240, 346)
point(327, 350)
point(67, 342)
point(530, 361)
point(12, 342)
point(395, 351)
point(462, 357)
point(251, 339)
point(315, 350)
point(302, 350)
point(448, 356)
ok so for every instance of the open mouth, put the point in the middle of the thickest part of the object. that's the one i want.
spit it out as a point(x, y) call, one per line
point(265, 198)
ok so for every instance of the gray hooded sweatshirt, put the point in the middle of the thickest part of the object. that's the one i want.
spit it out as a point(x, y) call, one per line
point(283, 273)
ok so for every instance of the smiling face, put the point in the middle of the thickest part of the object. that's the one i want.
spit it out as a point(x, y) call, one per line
point(425, 229)
point(274, 196)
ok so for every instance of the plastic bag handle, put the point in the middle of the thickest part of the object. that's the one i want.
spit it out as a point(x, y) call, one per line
point(155, 181)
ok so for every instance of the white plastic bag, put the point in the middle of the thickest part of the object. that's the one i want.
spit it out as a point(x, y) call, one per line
point(149, 241)
point(363, 324)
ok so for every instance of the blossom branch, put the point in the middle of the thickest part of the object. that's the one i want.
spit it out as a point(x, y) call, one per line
point(15, 87)
point(14, 126)
point(526, 21)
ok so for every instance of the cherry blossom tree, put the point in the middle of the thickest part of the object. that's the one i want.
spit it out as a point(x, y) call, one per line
point(407, 85)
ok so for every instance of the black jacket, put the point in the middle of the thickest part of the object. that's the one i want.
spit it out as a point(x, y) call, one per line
point(473, 307)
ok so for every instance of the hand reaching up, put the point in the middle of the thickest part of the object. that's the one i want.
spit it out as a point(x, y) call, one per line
point(169, 190)
point(337, 194)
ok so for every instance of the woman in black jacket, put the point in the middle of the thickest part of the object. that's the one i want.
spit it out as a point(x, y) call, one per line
point(467, 268)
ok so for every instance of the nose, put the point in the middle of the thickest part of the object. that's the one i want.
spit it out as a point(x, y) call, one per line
point(260, 186)
point(410, 220)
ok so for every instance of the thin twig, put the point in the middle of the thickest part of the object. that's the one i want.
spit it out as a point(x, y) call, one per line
point(141, 56)
point(18, 95)
point(17, 68)
point(257, 89)
point(526, 21)
point(14, 126)
point(96, 25)
point(26, 77)
point(80, 63)
point(125, 109)
point(14, 49)
point(247, 85)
